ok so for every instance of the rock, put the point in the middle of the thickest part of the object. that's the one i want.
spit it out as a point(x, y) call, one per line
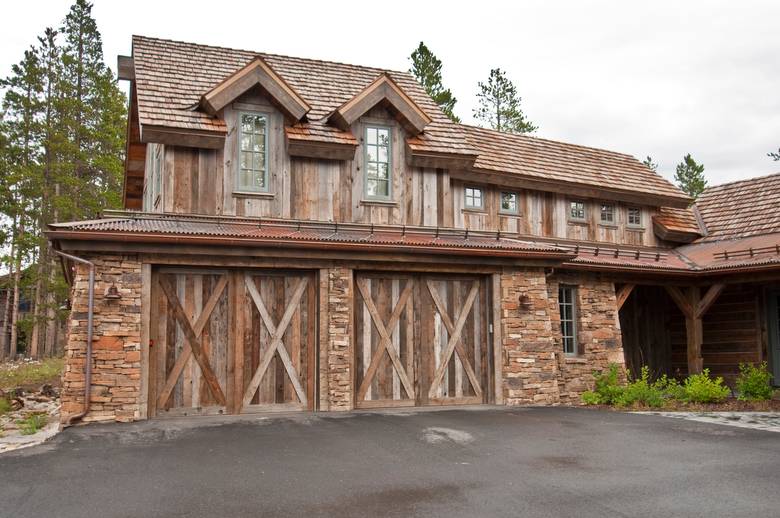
point(48, 391)
point(17, 403)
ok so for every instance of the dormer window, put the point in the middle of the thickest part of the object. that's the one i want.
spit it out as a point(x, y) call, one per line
point(378, 163)
point(607, 214)
point(473, 199)
point(577, 210)
point(252, 159)
point(634, 217)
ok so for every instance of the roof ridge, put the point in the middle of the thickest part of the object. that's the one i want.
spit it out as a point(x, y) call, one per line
point(744, 180)
point(271, 54)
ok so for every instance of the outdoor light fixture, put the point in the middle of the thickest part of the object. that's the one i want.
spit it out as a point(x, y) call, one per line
point(524, 301)
point(112, 292)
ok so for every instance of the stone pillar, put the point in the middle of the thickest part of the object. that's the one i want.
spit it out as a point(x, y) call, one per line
point(336, 372)
point(116, 347)
point(529, 355)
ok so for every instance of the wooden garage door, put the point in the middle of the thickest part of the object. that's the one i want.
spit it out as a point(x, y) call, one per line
point(420, 340)
point(231, 341)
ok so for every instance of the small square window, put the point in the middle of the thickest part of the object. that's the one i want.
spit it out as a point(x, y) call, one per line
point(635, 216)
point(607, 213)
point(509, 202)
point(473, 198)
point(577, 210)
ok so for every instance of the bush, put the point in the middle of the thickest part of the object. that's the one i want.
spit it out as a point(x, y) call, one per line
point(641, 391)
point(32, 423)
point(700, 388)
point(753, 382)
point(5, 405)
point(607, 387)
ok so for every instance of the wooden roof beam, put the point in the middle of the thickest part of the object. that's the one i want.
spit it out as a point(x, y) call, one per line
point(256, 72)
point(382, 90)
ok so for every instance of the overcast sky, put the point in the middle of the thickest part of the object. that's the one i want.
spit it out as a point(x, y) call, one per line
point(664, 78)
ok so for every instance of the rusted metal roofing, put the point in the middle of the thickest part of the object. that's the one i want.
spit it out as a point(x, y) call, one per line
point(172, 76)
point(741, 209)
point(751, 251)
point(260, 232)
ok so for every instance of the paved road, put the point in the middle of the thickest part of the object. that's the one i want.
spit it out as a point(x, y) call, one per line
point(488, 462)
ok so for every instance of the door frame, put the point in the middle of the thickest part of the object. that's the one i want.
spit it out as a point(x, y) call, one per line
point(773, 333)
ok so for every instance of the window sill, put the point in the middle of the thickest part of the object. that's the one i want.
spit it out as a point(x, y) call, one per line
point(608, 225)
point(636, 228)
point(384, 203)
point(474, 210)
point(579, 222)
point(514, 215)
point(250, 194)
point(579, 360)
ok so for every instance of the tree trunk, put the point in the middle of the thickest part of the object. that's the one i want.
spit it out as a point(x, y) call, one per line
point(35, 349)
point(15, 306)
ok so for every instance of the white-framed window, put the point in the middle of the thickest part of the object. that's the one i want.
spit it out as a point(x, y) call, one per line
point(509, 203)
point(607, 213)
point(567, 304)
point(577, 210)
point(378, 176)
point(473, 198)
point(634, 217)
point(252, 152)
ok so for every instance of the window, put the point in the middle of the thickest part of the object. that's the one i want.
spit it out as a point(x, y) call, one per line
point(607, 213)
point(473, 198)
point(378, 163)
point(509, 202)
point(635, 216)
point(577, 210)
point(252, 160)
point(568, 309)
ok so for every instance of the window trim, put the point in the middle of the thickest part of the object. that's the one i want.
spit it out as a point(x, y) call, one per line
point(466, 205)
point(502, 210)
point(378, 198)
point(584, 218)
point(238, 188)
point(628, 218)
point(611, 223)
point(574, 320)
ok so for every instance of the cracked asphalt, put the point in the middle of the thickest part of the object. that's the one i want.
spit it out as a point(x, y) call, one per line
point(459, 462)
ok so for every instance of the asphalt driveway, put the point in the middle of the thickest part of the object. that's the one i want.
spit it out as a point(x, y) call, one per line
point(486, 462)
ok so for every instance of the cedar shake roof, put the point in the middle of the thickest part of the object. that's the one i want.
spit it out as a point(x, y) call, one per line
point(740, 209)
point(560, 162)
point(680, 220)
point(171, 77)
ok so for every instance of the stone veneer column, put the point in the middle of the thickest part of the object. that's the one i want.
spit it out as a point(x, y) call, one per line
point(598, 333)
point(336, 373)
point(529, 355)
point(116, 347)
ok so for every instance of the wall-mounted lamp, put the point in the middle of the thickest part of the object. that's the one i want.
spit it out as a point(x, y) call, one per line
point(524, 302)
point(112, 293)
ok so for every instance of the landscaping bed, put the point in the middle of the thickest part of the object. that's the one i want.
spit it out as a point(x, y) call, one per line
point(29, 401)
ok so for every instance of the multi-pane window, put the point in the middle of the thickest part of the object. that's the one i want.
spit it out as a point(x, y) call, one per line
point(473, 198)
point(568, 308)
point(252, 159)
point(378, 162)
point(635, 216)
point(607, 213)
point(577, 210)
point(509, 202)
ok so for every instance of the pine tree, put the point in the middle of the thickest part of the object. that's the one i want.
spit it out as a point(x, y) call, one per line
point(690, 177)
point(648, 161)
point(426, 68)
point(774, 156)
point(499, 105)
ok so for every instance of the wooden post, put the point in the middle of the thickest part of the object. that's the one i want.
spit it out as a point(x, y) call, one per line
point(622, 294)
point(694, 307)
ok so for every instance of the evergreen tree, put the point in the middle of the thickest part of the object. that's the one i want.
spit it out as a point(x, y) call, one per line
point(774, 156)
point(690, 177)
point(499, 105)
point(648, 161)
point(426, 68)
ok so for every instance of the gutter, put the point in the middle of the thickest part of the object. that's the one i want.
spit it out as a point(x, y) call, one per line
point(90, 314)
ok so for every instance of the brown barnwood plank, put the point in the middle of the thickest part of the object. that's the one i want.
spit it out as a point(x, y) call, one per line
point(385, 342)
point(498, 361)
point(622, 294)
point(276, 341)
point(186, 326)
point(680, 299)
point(197, 329)
point(452, 344)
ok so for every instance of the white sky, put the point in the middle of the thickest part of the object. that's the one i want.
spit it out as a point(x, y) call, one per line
point(663, 78)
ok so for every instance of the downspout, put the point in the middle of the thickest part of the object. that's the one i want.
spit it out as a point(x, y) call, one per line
point(90, 312)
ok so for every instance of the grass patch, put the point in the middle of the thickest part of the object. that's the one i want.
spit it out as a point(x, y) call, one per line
point(32, 423)
point(33, 373)
point(5, 406)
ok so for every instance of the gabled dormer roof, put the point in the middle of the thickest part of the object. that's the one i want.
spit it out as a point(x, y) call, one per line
point(386, 92)
point(255, 73)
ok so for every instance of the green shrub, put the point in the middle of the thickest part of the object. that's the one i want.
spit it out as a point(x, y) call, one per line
point(753, 382)
point(641, 391)
point(608, 387)
point(32, 423)
point(700, 388)
point(5, 405)
point(591, 398)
